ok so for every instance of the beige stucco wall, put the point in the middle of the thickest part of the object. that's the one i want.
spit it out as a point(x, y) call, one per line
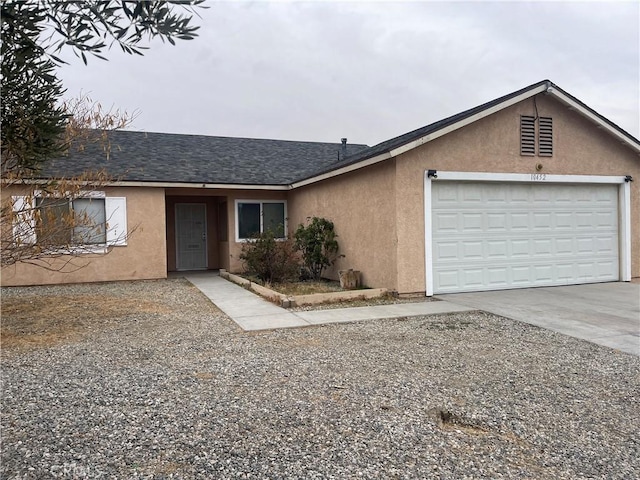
point(142, 258)
point(362, 206)
point(492, 145)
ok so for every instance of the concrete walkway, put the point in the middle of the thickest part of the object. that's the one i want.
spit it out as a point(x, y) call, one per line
point(252, 312)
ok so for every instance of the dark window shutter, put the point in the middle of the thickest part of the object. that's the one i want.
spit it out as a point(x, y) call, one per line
point(545, 137)
point(527, 135)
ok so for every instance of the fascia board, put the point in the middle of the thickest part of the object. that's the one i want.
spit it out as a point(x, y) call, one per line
point(211, 186)
point(427, 138)
point(594, 118)
point(125, 183)
point(343, 170)
point(473, 118)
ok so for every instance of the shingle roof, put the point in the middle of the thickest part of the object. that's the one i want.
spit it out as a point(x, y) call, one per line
point(164, 157)
point(401, 140)
point(176, 158)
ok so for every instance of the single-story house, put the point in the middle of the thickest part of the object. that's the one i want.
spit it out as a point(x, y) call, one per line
point(530, 189)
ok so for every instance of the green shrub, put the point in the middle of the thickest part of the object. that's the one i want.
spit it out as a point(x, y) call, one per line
point(318, 244)
point(271, 260)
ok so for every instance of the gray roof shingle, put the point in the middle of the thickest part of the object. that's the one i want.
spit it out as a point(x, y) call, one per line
point(165, 157)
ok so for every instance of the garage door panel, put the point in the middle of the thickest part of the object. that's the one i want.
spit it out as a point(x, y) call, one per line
point(496, 249)
point(605, 267)
point(520, 248)
point(498, 276)
point(606, 220)
point(564, 220)
point(542, 247)
point(542, 221)
point(473, 277)
point(565, 272)
point(470, 195)
point(607, 245)
point(521, 275)
point(564, 246)
point(492, 236)
point(542, 274)
point(446, 222)
point(497, 222)
point(471, 222)
point(520, 221)
point(447, 250)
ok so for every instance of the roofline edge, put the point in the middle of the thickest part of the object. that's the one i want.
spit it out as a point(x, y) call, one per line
point(593, 116)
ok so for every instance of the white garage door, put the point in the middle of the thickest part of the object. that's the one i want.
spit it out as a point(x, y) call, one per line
point(491, 236)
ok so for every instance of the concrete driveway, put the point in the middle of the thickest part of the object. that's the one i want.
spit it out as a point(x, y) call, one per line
point(604, 313)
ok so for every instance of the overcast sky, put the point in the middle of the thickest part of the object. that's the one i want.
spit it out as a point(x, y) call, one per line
point(367, 70)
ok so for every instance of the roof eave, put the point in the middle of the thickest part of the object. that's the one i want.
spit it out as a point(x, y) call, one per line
point(152, 184)
point(425, 138)
point(594, 117)
point(207, 186)
point(340, 171)
point(546, 87)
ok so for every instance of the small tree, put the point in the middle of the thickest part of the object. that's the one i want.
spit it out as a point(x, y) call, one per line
point(271, 260)
point(318, 244)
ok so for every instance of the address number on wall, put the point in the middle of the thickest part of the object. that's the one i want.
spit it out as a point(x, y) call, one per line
point(538, 177)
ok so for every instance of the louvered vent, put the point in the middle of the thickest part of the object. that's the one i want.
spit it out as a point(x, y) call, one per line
point(545, 137)
point(527, 135)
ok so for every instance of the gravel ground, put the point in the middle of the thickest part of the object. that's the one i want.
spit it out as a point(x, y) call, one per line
point(174, 389)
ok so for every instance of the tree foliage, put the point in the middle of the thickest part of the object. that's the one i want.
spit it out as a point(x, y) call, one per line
point(33, 123)
point(35, 32)
point(318, 244)
point(47, 220)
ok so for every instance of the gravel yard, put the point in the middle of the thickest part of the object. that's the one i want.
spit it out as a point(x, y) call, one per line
point(150, 380)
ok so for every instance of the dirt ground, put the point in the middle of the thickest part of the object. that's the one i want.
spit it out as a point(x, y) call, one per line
point(41, 321)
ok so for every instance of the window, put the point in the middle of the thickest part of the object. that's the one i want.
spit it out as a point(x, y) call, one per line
point(255, 217)
point(91, 220)
point(81, 221)
point(528, 136)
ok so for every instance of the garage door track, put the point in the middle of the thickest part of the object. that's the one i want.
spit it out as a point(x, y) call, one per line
point(604, 313)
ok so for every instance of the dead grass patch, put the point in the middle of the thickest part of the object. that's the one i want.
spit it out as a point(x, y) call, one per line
point(307, 287)
point(41, 321)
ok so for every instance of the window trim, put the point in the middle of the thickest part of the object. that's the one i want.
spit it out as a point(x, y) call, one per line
point(260, 202)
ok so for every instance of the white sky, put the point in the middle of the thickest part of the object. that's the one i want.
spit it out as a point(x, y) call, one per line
point(368, 71)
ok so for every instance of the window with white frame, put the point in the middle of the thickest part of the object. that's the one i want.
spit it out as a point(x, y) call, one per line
point(254, 217)
point(94, 219)
point(81, 221)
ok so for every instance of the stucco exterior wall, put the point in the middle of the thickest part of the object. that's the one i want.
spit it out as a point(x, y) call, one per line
point(362, 205)
point(143, 257)
point(493, 145)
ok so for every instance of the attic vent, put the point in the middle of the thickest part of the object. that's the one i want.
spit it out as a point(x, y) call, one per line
point(545, 137)
point(527, 135)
